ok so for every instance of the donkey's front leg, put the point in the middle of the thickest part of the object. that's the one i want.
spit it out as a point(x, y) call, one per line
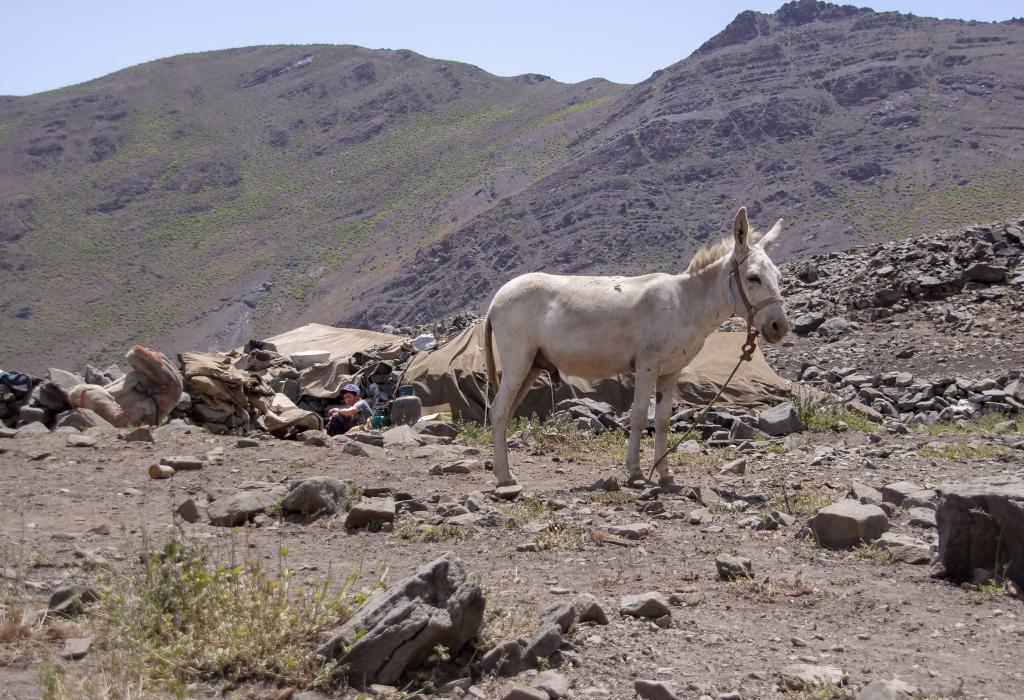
point(644, 384)
point(662, 414)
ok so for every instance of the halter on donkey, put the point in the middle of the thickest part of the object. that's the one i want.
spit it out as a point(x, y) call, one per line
point(653, 326)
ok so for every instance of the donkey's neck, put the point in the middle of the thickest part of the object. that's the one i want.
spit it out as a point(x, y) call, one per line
point(708, 295)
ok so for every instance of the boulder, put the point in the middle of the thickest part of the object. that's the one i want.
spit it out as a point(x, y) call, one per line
point(896, 492)
point(553, 683)
point(367, 438)
point(806, 676)
point(319, 494)
point(805, 323)
point(398, 628)
point(32, 430)
point(780, 420)
point(863, 493)
point(401, 436)
point(462, 466)
point(981, 525)
point(835, 327)
point(360, 449)
point(232, 507)
point(182, 462)
point(516, 654)
point(848, 523)
point(437, 429)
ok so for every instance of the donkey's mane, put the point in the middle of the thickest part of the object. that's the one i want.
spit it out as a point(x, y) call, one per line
point(707, 255)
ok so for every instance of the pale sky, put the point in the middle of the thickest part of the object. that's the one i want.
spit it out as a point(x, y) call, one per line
point(52, 43)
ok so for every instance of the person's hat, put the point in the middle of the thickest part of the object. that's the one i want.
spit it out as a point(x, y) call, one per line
point(350, 389)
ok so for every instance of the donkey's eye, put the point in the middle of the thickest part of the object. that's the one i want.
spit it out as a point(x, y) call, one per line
point(755, 279)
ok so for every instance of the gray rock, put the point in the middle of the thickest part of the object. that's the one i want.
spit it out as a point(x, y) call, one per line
point(847, 523)
point(71, 600)
point(360, 449)
point(634, 531)
point(314, 438)
point(731, 568)
point(182, 462)
point(398, 628)
point(188, 511)
point(319, 494)
point(370, 511)
point(985, 272)
point(737, 466)
point(910, 550)
point(865, 494)
point(654, 690)
point(367, 438)
point(651, 604)
point(515, 655)
point(462, 466)
point(553, 683)
point(76, 648)
point(437, 429)
point(896, 492)
point(79, 440)
point(805, 323)
point(32, 430)
point(780, 420)
point(835, 327)
point(401, 436)
point(82, 419)
point(142, 434)
point(981, 525)
point(239, 506)
point(589, 610)
point(508, 493)
point(921, 517)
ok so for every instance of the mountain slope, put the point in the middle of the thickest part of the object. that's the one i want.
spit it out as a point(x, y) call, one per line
point(201, 199)
point(853, 125)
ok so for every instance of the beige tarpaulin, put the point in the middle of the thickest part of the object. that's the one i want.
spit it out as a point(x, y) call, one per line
point(454, 374)
point(342, 343)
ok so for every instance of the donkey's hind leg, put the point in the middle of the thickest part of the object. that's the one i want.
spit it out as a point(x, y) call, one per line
point(514, 371)
point(643, 386)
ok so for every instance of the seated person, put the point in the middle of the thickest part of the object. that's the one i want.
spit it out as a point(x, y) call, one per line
point(356, 412)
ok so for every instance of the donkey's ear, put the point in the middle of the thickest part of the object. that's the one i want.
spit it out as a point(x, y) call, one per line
point(741, 231)
point(770, 237)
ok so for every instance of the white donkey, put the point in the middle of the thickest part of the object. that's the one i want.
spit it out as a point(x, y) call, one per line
point(653, 325)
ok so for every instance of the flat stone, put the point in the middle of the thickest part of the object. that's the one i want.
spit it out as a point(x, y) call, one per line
point(905, 548)
point(402, 436)
point(588, 609)
point(896, 492)
point(462, 466)
point(848, 523)
point(361, 449)
point(737, 466)
point(72, 600)
point(245, 443)
point(32, 430)
point(80, 440)
point(865, 494)
point(651, 604)
point(634, 531)
point(373, 437)
point(76, 648)
point(183, 462)
point(508, 493)
point(371, 511)
point(82, 419)
point(241, 505)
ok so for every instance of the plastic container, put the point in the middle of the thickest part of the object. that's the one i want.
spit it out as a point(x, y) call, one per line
point(406, 409)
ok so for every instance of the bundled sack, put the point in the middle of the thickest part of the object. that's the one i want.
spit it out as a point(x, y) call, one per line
point(226, 394)
point(146, 395)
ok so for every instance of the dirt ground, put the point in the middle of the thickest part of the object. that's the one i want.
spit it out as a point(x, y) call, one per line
point(873, 618)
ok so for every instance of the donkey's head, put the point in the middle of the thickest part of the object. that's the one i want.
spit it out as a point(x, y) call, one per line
point(755, 279)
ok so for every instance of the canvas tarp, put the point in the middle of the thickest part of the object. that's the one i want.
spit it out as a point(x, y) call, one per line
point(454, 374)
point(342, 343)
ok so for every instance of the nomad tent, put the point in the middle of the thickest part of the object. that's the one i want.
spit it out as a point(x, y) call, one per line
point(342, 343)
point(454, 374)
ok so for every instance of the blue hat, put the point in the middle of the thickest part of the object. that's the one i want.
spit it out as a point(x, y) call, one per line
point(350, 389)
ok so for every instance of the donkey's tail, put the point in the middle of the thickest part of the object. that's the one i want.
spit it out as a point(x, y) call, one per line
point(492, 367)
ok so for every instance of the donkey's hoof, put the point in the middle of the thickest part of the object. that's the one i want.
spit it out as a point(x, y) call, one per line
point(507, 482)
point(637, 482)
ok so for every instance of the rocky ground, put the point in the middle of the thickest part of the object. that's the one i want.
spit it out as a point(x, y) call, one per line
point(67, 514)
point(78, 508)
